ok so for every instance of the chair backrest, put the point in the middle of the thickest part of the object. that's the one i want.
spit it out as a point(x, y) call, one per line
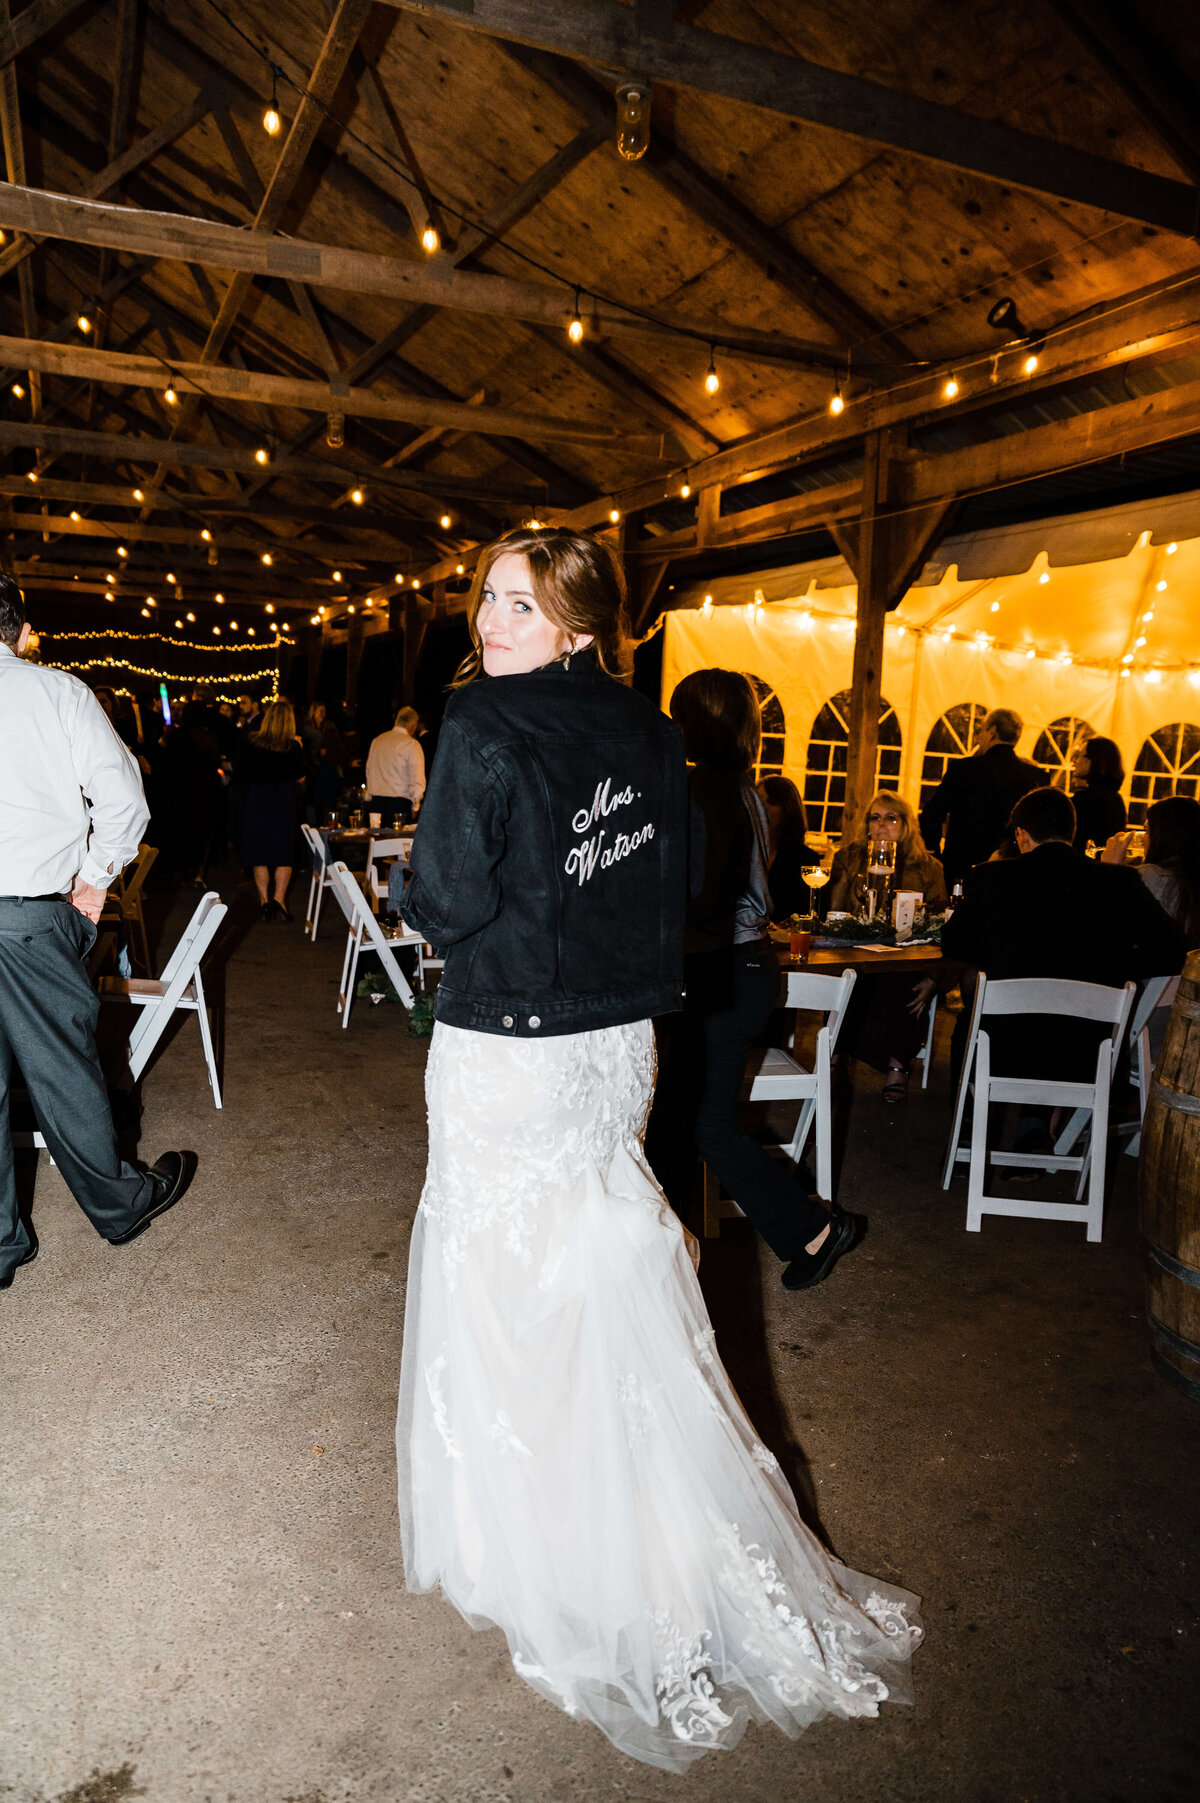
point(138, 872)
point(178, 972)
point(1053, 995)
point(810, 990)
point(316, 845)
point(392, 847)
point(1157, 992)
point(358, 910)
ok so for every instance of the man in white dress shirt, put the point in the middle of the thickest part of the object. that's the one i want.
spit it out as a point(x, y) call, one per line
point(396, 770)
point(71, 814)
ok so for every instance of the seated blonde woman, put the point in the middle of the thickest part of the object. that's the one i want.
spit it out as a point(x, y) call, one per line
point(885, 1022)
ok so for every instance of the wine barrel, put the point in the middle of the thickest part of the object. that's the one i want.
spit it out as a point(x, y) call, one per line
point(1169, 1192)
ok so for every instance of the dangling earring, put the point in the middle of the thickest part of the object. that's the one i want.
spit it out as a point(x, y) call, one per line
point(567, 658)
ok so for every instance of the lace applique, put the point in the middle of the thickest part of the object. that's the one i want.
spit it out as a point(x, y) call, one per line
point(683, 1683)
point(537, 1674)
point(640, 1413)
point(704, 1341)
point(501, 1431)
point(696, 1374)
point(824, 1645)
point(575, 1099)
point(763, 1457)
point(891, 1617)
point(437, 1401)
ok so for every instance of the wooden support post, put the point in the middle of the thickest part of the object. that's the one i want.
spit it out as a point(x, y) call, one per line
point(708, 515)
point(316, 645)
point(416, 624)
point(885, 549)
point(354, 651)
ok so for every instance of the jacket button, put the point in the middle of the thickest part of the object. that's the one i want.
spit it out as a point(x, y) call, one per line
point(534, 1021)
point(507, 1021)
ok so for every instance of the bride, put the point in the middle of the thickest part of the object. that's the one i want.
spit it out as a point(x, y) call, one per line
point(574, 1466)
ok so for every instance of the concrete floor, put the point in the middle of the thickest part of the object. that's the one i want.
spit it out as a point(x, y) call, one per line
point(201, 1592)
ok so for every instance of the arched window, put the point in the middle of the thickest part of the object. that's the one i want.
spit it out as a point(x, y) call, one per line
point(774, 728)
point(825, 766)
point(1058, 744)
point(1167, 764)
point(953, 736)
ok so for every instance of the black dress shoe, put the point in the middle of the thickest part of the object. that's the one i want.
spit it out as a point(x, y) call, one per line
point(173, 1172)
point(808, 1268)
point(6, 1280)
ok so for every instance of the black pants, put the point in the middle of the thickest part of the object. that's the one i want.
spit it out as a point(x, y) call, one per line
point(702, 1064)
point(48, 1014)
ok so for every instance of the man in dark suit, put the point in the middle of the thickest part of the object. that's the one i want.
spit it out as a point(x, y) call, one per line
point(974, 799)
point(1054, 913)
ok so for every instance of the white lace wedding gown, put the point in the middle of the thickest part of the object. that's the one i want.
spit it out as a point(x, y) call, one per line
point(575, 1467)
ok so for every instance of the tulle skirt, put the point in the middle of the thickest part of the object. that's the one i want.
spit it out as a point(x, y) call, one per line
point(574, 1466)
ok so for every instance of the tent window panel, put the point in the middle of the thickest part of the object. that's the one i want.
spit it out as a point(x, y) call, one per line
point(953, 736)
point(774, 729)
point(1057, 745)
point(825, 763)
point(1167, 764)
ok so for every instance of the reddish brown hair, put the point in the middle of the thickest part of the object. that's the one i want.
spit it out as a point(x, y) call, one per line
point(577, 583)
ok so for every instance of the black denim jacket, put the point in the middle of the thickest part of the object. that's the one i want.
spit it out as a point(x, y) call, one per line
point(549, 862)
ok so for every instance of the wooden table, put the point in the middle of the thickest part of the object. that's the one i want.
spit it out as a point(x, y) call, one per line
point(830, 961)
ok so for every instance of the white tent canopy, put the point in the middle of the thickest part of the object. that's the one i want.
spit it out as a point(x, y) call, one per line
point(1089, 623)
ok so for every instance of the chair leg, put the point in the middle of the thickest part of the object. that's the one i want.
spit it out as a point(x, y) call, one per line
point(206, 1040)
point(308, 912)
point(351, 980)
point(977, 1174)
point(350, 937)
point(1097, 1152)
point(711, 1205)
point(927, 1054)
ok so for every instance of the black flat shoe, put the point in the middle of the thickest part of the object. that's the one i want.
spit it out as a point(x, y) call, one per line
point(6, 1280)
point(174, 1171)
point(808, 1268)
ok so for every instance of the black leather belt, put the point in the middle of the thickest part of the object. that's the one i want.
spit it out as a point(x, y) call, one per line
point(24, 898)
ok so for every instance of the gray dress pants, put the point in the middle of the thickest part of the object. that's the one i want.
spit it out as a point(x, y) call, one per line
point(48, 1014)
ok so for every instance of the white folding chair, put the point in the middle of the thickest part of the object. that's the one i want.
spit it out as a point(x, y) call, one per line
point(926, 1052)
point(319, 880)
point(397, 846)
point(1038, 995)
point(778, 1076)
point(125, 904)
point(180, 986)
point(367, 934)
point(1155, 993)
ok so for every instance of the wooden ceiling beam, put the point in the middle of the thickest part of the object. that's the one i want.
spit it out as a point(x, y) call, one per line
point(230, 384)
point(709, 199)
point(607, 33)
point(137, 448)
point(434, 282)
point(23, 32)
point(372, 546)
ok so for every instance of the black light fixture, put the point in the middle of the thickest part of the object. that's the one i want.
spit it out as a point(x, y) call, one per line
point(1003, 317)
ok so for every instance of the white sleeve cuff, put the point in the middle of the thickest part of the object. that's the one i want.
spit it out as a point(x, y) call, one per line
point(94, 873)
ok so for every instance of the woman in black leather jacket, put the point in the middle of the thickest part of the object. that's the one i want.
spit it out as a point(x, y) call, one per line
point(571, 1454)
point(732, 982)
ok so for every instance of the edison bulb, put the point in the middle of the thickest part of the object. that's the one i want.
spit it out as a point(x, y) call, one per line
point(951, 387)
point(430, 242)
point(445, 522)
point(84, 323)
point(1030, 364)
point(357, 496)
point(262, 455)
point(837, 404)
point(575, 330)
point(272, 122)
point(170, 397)
point(633, 120)
point(712, 381)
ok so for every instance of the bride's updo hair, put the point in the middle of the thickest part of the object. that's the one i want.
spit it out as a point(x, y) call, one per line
point(578, 584)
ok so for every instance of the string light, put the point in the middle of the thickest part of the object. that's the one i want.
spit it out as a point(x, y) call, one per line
point(18, 391)
point(138, 495)
point(267, 559)
point(206, 535)
point(357, 496)
point(109, 597)
point(122, 551)
point(458, 570)
point(272, 123)
point(614, 514)
point(685, 490)
point(31, 475)
point(575, 328)
point(950, 389)
point(1044, 578)
point(270, 607)
point(1140, 642)
point(179, 625)
point(445, 522)
point(1148, 615)
point(74, 513)
point(262, 455)
point(430, 242)
point(84, 324)
point(1030, 653)
point(1030, 364)
point(712, 380)
point(399, 580)
point(219, 598)
point(416, 582)
point(1160, 586)
point(337, 575)
point(994, 608)
point(1154, 676)
point(836, 403)
point(1171, 548)
point(169, 395)
point(192, 618)
point(216, 632)
point(171, 576)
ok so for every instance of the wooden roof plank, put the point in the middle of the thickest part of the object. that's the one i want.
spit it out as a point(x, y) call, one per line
point(606, 32)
